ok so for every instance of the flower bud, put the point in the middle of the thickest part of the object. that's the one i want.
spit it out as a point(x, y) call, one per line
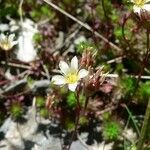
point(87, 59)
point(95, 81)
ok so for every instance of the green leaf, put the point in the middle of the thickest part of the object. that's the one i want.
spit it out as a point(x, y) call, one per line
point(44, 112)
point(40, 101)
point(145, 89)
point(71, 100)
point(128, 86)
point(111, 130)
point(16, 110)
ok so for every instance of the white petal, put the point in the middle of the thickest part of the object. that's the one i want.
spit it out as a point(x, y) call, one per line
point(72, 87)
point(136, 9)
point(11, 37)
point(14, 43)
point(58, 80)
point(147, 1)
point(146, 7)
point(74, 63)
point(83, 73)
point(2, 37)
point(64, 67)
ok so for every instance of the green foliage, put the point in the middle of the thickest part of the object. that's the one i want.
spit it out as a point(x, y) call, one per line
point(115, 15)
point(72, 101)
point(106, 116)
point(127, 85)
point(106, 8)
point(69, 124)
point(128, 146)
point(44, 112)
point(111, 130)
point(118, 32)
point(119, 68)
point(40, 101)
point(83, 120)
point(8, 8)
point(82, 46)
point(133, 147)
point(82, 99)
point(37, 37)
point(42, 12)
point(16, 110)
point(30, 81)
point(70, 2)
point(144, 89)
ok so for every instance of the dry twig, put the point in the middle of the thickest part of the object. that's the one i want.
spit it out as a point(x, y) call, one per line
point(86, 26)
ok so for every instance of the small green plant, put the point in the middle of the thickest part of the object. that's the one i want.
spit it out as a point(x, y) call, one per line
point(106, 116)
point(72, 101)
point(69, 124)
point(111, 130)
point(42, 12)
point(144, 90)
point(44, 112)
point(82, 46)
point(127, 86)
point(133, 147)
point(83, 121)
point(37, 37)
point(30, 81)
point(16, 110)
point(40, 101)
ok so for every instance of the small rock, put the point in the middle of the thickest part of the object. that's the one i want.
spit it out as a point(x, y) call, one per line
point(4, 27)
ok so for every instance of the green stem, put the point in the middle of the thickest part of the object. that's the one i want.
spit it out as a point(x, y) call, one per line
point(130, 115)
point(147, 113)
point(104, 9)
point(144, 127)
point(77, 120)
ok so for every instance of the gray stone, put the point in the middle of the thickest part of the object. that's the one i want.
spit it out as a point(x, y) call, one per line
point(20, 136)
point(77, 146)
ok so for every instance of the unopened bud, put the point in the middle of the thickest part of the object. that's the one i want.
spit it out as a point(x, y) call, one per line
point(87, 59)
point(96, 80)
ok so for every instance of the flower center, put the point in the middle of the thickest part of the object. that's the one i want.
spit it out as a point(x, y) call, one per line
point(139, 3)
point(72, 78)
point(5, 45)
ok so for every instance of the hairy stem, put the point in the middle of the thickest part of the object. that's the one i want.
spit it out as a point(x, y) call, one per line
point(145, 61)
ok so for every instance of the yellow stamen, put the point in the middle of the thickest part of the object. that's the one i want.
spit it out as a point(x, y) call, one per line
point(5, 45)
point(72, 78)
point(139, 3)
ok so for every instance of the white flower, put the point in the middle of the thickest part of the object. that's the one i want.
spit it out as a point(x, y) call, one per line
point(70, 74)
point(7, 42)
point(140, 5)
